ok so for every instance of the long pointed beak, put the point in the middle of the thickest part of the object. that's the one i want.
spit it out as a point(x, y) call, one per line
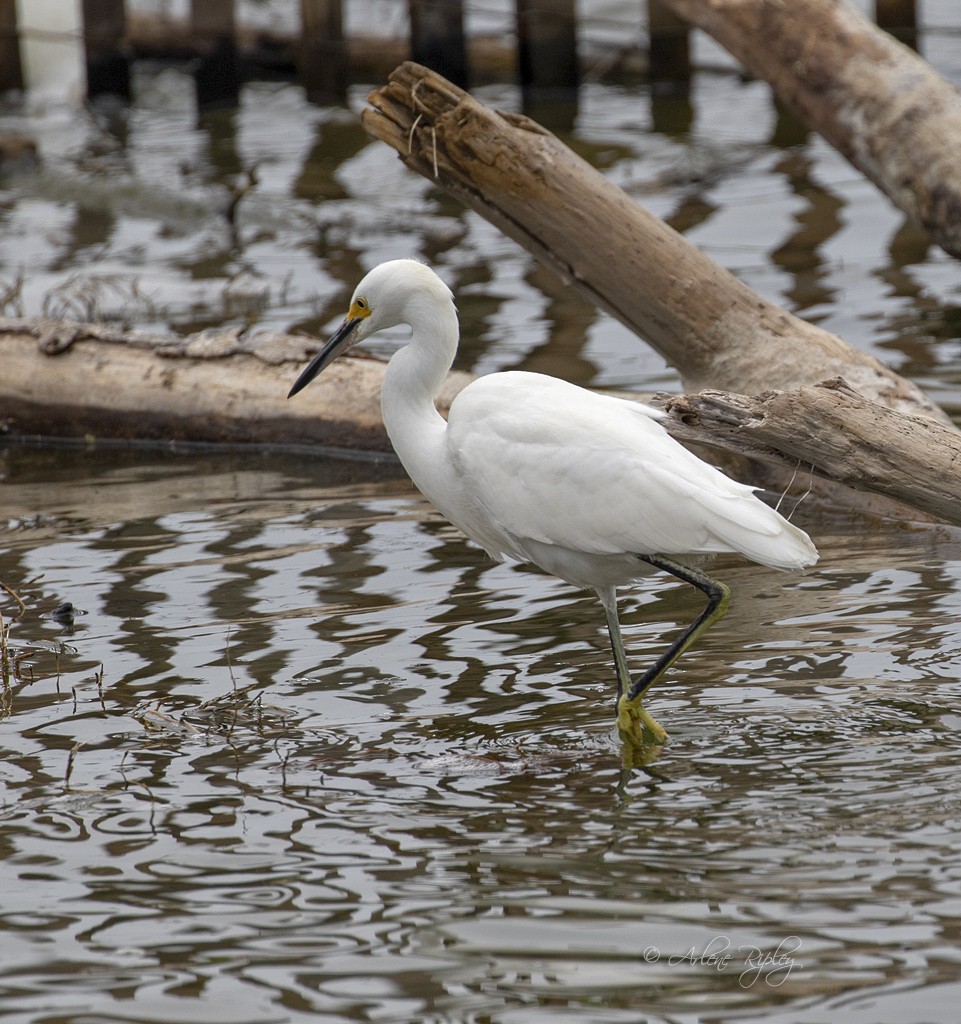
point(337, 344)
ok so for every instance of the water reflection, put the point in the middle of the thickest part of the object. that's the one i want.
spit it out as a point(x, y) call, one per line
point(340, 766)
point(126, 219)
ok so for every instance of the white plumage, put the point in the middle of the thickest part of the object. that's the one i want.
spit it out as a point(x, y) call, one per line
point(589, 487)
point(522, 442)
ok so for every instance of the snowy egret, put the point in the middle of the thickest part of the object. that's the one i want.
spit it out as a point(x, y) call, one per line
point(589, 487)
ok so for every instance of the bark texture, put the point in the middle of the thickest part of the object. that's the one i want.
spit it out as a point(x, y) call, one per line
point(65, 379)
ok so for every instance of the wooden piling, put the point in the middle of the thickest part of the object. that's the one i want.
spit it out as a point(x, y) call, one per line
point(547, 47)
point(322, 53)
point(11, 70)
point(669, 48)
point(437, 38)
point(217, 76)
point(899, 17)
point(107, 61)
point(896, 13)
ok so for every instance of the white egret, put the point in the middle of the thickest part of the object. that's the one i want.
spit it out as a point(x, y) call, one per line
point(590, 488)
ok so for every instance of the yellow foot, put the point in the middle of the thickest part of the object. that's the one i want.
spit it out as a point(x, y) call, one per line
point(638, 730)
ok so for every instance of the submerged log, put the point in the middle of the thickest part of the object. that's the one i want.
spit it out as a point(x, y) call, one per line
point(715, 330)
point(64, 379)
point(874, 99)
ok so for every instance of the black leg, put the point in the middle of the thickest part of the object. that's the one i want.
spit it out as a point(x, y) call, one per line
point(718, 599)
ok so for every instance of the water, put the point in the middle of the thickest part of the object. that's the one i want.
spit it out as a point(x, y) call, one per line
point(300, 753)
point(305, 755)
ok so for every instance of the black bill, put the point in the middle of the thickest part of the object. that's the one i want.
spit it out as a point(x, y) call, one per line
point(340, 341)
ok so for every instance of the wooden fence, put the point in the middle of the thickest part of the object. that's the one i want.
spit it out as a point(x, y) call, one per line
point(546, 60)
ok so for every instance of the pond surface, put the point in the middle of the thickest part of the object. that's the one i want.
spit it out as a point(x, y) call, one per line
point(278, 745)
point(303, 754)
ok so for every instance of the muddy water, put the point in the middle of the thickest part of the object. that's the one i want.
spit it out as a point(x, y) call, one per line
point(296, 752)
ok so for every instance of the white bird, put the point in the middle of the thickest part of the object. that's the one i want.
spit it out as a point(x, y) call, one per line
point(590, 488)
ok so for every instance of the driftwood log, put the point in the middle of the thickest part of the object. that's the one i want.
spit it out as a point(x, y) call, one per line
point(875, 100)
point(715, 330)
point(74, 380)
point(833, 431)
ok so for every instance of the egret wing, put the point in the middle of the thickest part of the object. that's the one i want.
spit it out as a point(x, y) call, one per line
point(556, 464)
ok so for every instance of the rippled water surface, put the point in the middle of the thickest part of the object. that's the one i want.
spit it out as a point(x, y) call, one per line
point(278, 745)
point(303, 754)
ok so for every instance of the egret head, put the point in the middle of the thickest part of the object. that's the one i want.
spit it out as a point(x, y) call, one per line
point(381, 300)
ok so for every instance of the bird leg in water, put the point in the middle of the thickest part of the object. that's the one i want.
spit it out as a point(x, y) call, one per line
point(632, 716)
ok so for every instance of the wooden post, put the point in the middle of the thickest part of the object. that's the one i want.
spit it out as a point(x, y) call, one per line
point(896, 13)
point(322, 55)
point(217, 77)
point(437, 38)
point(211, 19)
point(547, 47)
point(899, 17)
point(11, 71)
point(104, 33)
point(669, 51)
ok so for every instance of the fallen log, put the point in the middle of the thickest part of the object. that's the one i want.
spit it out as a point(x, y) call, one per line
point(833, 431)
point(712, 327)
point(166, 37)
point(65, 379)
point(73, 380)
point(874, 99)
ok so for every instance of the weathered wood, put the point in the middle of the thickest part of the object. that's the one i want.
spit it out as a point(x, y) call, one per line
point(712, 327)
point(875, 100)
point(669, 46)
point(322, 63)
point(362, 57)
point(831, 430)
point(65, 379)
point(11, 71)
